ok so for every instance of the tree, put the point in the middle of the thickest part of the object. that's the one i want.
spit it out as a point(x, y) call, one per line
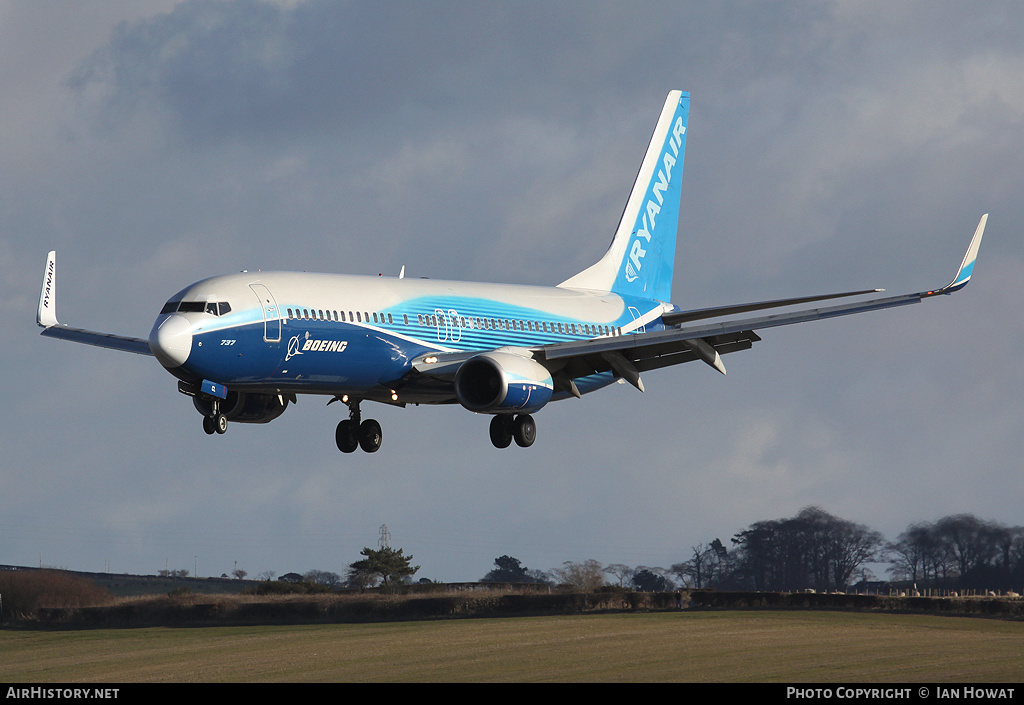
point(704, 568)
point(507, 570)
point(960, 550)
point(239, 573)
point(850, 546)
point(651, 580)
point(910, 554)
point(179, 573)
point(621, 571)
point(322, 577)
point(583, 577)
point(812, 549)
point(387, 565)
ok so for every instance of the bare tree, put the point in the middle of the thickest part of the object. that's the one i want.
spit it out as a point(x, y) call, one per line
point(582, 577)
point(620, 571)
point(322, 577)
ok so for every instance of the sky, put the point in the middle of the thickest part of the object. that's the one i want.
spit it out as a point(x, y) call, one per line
point(831, 146)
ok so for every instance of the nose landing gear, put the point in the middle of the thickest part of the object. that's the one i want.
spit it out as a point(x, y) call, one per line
point(353, 433)
point(215, 422)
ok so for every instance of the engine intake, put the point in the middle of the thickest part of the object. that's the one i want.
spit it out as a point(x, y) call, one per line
point(501, 381)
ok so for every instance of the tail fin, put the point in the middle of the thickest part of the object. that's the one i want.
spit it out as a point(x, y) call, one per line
point(641, 258)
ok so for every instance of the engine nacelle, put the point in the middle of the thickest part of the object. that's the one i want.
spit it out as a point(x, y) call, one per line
point(501, 381)
point(243, 407)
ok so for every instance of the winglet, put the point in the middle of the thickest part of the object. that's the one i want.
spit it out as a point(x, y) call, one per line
point(46, 314)
point(963, 275)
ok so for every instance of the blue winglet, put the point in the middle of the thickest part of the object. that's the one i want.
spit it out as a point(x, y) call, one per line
point(963, 275)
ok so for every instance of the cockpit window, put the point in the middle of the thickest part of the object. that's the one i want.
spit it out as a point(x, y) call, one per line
point(214, 308)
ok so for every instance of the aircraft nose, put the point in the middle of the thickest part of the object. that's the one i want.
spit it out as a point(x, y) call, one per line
point(171, 341)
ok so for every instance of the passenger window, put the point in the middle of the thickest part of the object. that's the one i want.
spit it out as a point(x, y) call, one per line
point(405, 318)
point(391, 322)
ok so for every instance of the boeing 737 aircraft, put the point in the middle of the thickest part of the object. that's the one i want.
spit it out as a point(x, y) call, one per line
point(243, 346)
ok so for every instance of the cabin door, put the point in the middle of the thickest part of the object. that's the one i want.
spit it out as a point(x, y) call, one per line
point(271, 313)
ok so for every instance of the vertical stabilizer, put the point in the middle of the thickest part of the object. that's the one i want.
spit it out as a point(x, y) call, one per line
point(641, 258)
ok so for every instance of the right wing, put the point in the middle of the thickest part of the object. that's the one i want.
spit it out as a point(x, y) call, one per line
point(629, 355)
point(46, 317)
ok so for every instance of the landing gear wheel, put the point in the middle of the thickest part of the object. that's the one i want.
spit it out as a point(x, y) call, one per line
point(501, 430)
point(345, 437)
point(524, 430)
point(220, 423)
point(370, 436)
point(208, 425)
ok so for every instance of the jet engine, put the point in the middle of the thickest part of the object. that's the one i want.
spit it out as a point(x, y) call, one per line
point(246, 407)
point(503, 382)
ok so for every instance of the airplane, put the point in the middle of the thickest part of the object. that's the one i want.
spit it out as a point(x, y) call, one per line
point(245, 345)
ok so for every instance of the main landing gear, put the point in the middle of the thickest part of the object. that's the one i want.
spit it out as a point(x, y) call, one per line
point(504, 428)
point(352, 433)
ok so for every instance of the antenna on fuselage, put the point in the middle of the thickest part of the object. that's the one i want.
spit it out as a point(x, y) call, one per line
point(401, 275)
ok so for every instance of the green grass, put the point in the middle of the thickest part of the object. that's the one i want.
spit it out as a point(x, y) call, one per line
point(672, 646)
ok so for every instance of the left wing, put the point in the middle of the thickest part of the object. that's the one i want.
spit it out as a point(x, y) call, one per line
point(46, 317)
point(630, 355)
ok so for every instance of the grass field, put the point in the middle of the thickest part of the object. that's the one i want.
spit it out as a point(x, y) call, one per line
point(727, 646)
